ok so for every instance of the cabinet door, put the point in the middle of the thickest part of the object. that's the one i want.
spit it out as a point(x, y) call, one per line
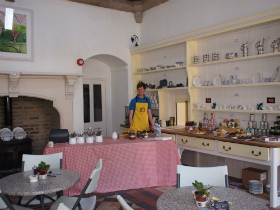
point(254, 152)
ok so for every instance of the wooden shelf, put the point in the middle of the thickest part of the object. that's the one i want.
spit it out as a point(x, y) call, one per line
point(253, 57)
point(173, 89)
point(160, 70)
point(237, 85)
point(240, 111)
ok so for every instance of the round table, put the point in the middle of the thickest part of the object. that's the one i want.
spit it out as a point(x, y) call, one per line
point(19, 185)
point(181, 199)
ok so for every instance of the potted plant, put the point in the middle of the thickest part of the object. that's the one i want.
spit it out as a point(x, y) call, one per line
point(89, 135)
point(99, 137)
point(80, 139)
point(43, 167)
point(73, 138)
point(201, 194)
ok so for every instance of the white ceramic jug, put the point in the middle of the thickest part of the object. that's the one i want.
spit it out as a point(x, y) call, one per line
point(114, 135)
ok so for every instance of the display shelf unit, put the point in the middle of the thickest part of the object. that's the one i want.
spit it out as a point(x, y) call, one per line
point(253, 57)
point(238, 111)
point(223, 38)
point(160, 70)
point(164, 56)
point(238, 85)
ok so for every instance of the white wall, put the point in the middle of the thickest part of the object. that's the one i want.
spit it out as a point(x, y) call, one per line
point(177, 17)
point(65, 31)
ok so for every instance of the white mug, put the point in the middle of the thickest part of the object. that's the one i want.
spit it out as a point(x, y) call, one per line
point(270, 108)
point(244, 107)
point(50, 143)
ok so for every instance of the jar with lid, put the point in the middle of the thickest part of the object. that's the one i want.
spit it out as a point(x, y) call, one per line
point(132, 134)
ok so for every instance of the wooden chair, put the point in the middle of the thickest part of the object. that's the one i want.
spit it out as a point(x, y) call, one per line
point(80, 202)
point(213, 176)
point(6, 204)
point(124, 204)
point(28, 162)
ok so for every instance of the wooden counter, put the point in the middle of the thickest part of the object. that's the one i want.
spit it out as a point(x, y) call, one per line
point(262, 153)
point(184, 132)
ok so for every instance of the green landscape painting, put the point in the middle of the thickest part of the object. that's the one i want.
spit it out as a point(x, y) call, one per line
point(13, 41)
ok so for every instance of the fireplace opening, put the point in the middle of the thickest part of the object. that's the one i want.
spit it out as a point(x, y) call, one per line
point(36, 116)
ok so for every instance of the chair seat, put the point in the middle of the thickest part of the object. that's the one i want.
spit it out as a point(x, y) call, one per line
point(86, 203)
point(25, 199)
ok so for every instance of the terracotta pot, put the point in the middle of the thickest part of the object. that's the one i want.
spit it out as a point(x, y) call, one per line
point(200, 198)
point(43, 172)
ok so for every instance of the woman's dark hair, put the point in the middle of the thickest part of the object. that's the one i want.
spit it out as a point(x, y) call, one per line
point(141, 84)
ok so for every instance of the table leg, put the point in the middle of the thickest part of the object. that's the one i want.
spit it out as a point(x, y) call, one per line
point(59, 194)
point(42, 202)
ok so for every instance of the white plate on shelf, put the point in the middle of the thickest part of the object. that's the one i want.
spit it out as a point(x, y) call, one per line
point(218, 80)
point(197, 81)
point(276, 75)
point(257, 78)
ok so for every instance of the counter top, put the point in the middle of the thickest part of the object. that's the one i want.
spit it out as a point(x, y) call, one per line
point(184, 132)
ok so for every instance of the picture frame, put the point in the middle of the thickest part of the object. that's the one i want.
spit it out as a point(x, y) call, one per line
point(22, 48)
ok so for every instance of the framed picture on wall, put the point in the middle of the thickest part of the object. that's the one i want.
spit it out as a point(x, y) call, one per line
point(17, 43)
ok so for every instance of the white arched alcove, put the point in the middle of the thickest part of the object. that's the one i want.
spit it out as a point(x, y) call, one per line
point(115, 72)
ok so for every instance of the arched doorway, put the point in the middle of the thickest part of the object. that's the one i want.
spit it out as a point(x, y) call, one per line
point(105, 87)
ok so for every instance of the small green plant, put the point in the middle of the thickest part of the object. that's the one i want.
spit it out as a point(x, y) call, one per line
point(201, 190)
point(43, 166)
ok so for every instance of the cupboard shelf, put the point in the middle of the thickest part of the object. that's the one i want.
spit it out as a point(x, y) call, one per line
point(239, 111)
point(160, 70)
point(237, 85)
point(253, 57)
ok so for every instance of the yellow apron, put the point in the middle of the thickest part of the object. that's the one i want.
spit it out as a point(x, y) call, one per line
point(140, 118)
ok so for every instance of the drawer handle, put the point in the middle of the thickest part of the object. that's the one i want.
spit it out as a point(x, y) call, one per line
point(203, 144)
point(256, 154)
point(185, 141)
point(226, 149)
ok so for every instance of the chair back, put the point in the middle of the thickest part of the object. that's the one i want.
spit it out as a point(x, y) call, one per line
point(94, 177)
point(4, 202)
point(124, 204)
point(213, 176)
point(91, 184)
point(62, 207)
point(29, 161)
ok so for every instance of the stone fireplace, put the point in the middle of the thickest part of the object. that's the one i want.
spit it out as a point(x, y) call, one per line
point(40, 102)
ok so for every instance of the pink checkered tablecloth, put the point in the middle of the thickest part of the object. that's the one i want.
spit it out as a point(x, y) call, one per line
point(127, 164)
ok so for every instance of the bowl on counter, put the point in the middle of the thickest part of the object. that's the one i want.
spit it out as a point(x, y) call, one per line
point(220, 134)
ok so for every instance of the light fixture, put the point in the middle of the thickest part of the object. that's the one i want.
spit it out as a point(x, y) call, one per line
point(9, 15)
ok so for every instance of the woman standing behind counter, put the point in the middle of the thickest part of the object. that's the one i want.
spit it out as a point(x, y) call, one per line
point(140, 110)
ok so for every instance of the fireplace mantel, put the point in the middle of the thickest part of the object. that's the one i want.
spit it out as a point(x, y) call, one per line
point(14, 78)
point(56, 87)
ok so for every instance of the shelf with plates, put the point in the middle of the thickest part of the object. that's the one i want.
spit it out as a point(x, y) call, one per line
point(253, 57)
point(160, 70)
point(237, 110)
point(237, 85)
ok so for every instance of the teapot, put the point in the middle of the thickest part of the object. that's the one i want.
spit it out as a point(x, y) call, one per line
point(234, 79)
